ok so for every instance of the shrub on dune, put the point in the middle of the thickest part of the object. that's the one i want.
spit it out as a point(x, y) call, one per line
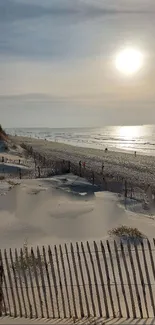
point(127, 234)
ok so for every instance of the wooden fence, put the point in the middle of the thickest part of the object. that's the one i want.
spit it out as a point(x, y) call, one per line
point(47, 167)
point(99, 279)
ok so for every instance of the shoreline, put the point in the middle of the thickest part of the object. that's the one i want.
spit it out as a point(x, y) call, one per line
point(90, 147)
point(138, 171)
point(140, 138)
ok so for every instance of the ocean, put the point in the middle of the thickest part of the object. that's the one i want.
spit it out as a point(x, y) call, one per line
point(117, 138)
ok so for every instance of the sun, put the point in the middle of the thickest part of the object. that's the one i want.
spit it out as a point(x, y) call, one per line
point(129, 61)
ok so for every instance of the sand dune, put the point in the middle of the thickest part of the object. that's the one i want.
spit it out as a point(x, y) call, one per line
point(38, 212)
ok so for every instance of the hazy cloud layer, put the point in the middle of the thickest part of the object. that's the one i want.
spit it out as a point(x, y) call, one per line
point(18, 10)
point(57, 59)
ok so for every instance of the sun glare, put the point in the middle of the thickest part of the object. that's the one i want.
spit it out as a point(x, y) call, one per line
point(129, 132)
point(129, 61)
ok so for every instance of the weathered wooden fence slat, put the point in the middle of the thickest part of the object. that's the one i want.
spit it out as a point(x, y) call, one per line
point(135, 280)
point(28, 263)
point(37, 282)
point(108, 278)
point(141, 279)
point(42, 281)
point(151, 258)
point(54, 279)
point(65, 281)
point(148, 278)
point(71, 282)
point(2, 298)
point(26, 282)
point(114, 276)
point(49, 282)
point(96, 285)
point(129, 281)
point(82, 278)
point(77, 282)
point(10, 283)
point(6, 287)
point(16, 284)
point(89, 280)
point(60, 282)
point(102, 281)
point(18, 269)
point(121, 279)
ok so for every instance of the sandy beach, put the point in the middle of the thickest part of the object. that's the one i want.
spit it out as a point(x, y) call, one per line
point(139, 170)
point(57, 209)
point(67, 208)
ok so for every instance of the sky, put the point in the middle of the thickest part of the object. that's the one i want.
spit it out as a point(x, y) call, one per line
point(57, 63)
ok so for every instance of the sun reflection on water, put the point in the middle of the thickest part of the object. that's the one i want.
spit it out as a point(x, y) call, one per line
point(129, 132)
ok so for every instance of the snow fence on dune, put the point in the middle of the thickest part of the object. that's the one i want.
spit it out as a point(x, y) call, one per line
point(84, 279)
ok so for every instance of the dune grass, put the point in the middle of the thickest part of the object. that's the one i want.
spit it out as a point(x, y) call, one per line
point(127, 234)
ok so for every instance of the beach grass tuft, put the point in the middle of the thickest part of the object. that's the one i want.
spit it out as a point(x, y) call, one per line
point(127, 234)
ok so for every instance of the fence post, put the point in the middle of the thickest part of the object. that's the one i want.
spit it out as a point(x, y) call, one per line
point(20, 173)
point(69, 166)
point(131, 192)
point(93, 178)
point(126, 190)
point(1, 285)
point(38, 171)
point(80, 169)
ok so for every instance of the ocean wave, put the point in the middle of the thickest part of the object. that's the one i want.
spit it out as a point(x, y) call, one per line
point(96, 138)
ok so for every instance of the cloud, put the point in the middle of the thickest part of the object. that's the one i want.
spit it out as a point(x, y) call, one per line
point(58, 56)
point(11, 11)
point(41, 110)
point(61, 29)
point(85, 100)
